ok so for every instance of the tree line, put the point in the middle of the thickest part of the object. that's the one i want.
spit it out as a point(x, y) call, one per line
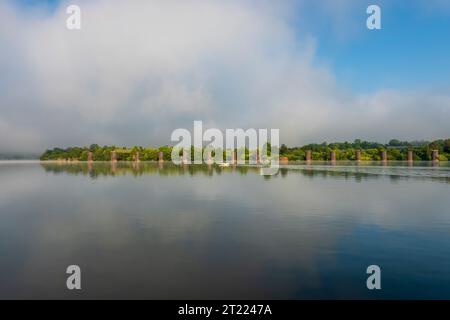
point(103, 153)
point(370, 151)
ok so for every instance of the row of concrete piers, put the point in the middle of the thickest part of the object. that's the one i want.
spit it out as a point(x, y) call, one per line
point(136, 157)
point(233, 158)
point(384, 156)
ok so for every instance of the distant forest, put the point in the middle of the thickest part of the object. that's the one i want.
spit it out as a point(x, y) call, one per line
point(370, 151)
point(18, 156)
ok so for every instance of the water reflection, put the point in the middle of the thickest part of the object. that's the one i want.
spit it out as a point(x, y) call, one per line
point(355, 170)
point(98, 169)
point(147, 230)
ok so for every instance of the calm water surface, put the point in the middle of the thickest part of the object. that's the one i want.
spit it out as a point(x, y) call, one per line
point(151, 231)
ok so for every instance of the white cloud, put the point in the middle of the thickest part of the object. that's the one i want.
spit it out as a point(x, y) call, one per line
point(137, 70)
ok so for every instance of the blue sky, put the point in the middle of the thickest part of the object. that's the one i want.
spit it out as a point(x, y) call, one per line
point(410, 51)
point(139, 69)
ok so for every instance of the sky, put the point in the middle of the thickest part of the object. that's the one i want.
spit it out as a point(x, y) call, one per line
point(137, 70)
